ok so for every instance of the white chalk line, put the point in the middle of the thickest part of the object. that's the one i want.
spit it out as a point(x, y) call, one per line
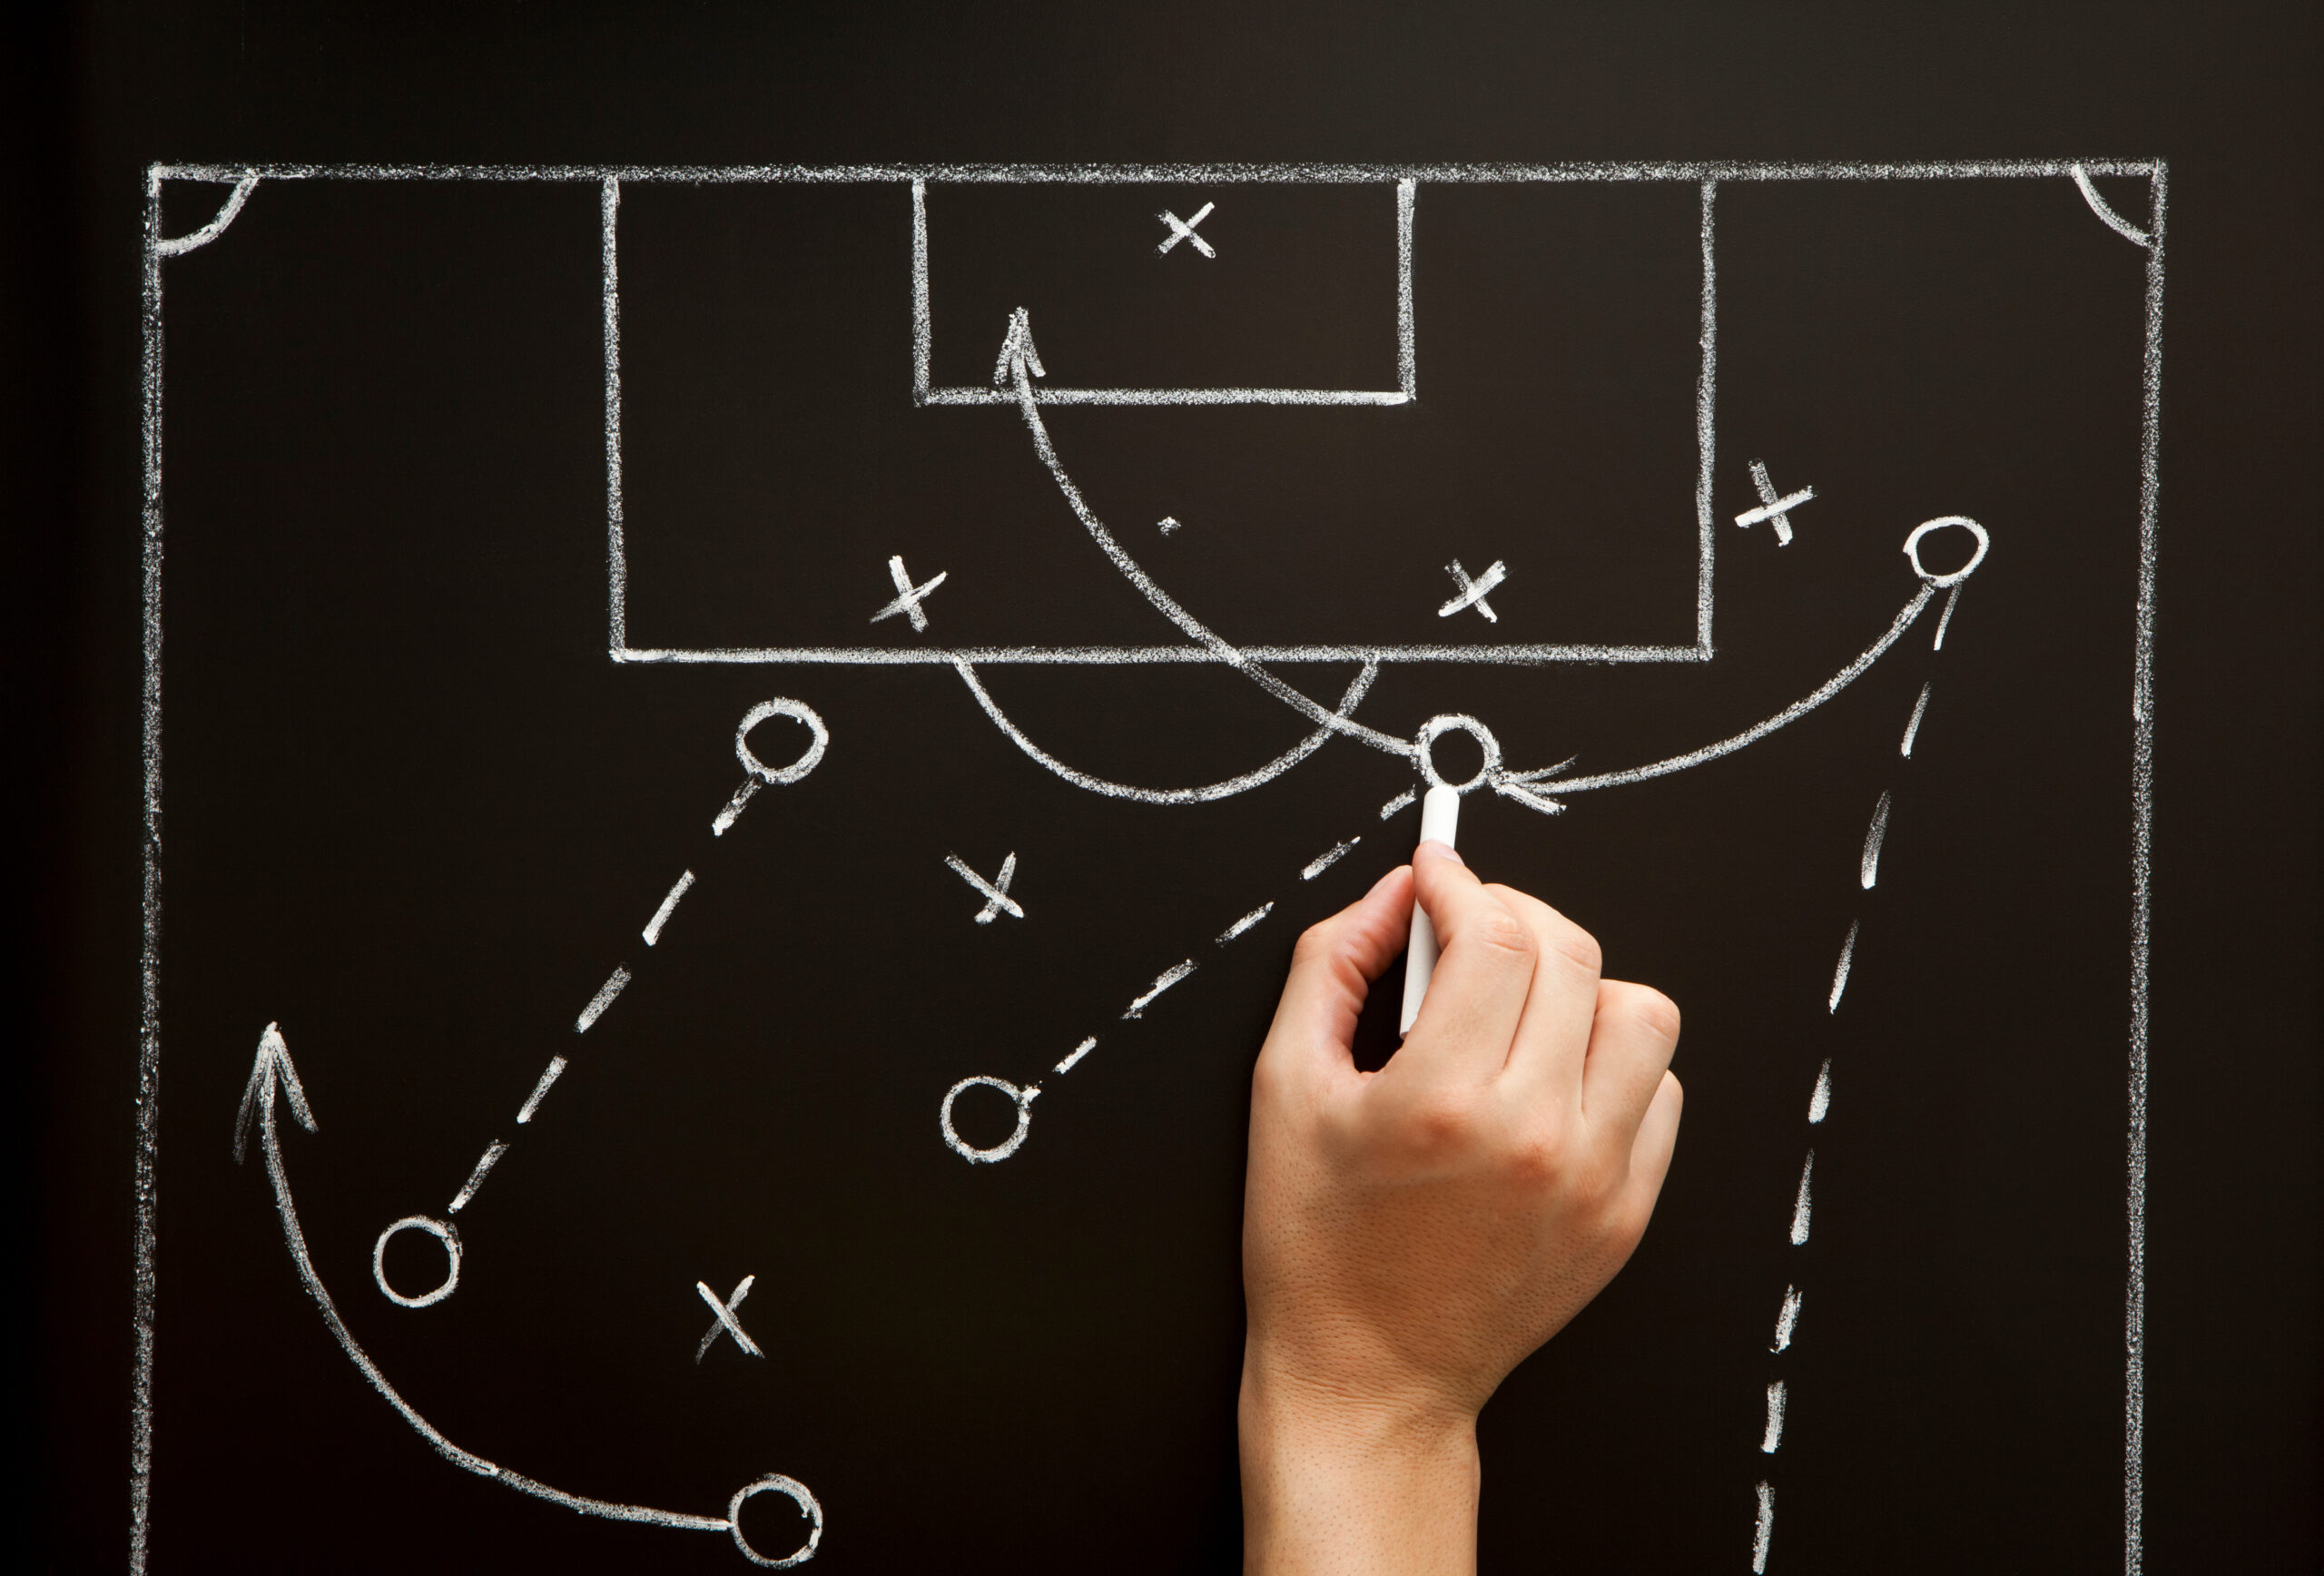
point(467, 1461)
point(1840, 970)
point(1358, 687)
point(617, 550)
point(1868, 867)
point(1707, 419)
point(1245, 922)
point(1751, 736)
point(550, 1075)
point(1402, 801)
point(2142, 892)
point(1773, 1436)
point(1325, 860)
point(492, 1152)
point(1801, 1207)
point(1163, 981)
point(2113, 220)
point(1314, 172)
point(653, 932)
point(1820, 1099)
point(602, 999)
point(1944, 619)
point(1763, 1530)
point(1512, 655)
point(1786, 1318)
point(179, 245)
point(1078, 1051)
point(1912, 728)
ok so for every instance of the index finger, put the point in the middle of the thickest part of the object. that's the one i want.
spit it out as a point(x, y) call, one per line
point(1484, 968)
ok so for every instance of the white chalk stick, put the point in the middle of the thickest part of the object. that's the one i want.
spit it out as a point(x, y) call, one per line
point(1440, 818)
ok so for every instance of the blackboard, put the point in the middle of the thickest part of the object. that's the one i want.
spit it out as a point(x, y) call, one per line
point(733, 734)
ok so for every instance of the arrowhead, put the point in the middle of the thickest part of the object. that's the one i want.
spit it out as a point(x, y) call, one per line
point(270, 1069)
point(1017, 353)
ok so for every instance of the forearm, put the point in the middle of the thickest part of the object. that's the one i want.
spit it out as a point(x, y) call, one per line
point(1332, 1487)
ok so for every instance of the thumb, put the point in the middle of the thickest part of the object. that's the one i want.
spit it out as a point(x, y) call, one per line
point(1332, 971)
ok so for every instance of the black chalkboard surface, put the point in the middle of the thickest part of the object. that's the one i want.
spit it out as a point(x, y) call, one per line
point(733, 746)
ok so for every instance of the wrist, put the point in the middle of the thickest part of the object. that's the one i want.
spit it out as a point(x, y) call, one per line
point(1335, 1482)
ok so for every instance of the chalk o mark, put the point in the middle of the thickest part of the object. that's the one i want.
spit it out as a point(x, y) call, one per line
point(1023, 1097)
point(443, 1233)
point(776, 1483)
point(1435, 728)
point(1913, 548)
point(798, 711)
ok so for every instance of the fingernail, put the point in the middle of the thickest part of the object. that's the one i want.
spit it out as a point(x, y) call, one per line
point(1436, 849)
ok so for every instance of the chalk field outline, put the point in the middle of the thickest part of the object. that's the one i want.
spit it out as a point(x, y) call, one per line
point(244, 181)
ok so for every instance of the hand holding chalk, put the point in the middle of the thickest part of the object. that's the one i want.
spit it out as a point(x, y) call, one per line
point(1440, 820)
point(1409, 1234)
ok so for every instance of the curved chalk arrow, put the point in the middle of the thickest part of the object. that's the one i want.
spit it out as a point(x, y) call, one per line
point(1018, 365)
point(271, 1072)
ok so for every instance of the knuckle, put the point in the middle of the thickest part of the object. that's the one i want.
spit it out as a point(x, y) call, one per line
point(1574, 944)
point(1497, 930)
point(1644, 1006)
point(1443, 1125)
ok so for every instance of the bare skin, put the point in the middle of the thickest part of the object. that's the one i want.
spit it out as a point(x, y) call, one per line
point(1411, 1234)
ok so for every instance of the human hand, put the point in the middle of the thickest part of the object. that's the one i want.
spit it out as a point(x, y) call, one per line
point(1410, 1234)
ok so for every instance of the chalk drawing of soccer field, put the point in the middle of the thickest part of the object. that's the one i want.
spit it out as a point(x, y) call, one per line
point(985, 345)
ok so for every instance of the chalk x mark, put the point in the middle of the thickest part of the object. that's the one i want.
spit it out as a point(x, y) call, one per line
point(725, 1322)
point(1245, 922)
point(996, 891)
point(492, 1153)
point(909, 598)
point(601, 1000)
point(1776, 510)
point(275, 1074)
point(1472, 593)
point(653, 932)
point(550, 1075)
point(1162, 981)
point(1184, 229)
